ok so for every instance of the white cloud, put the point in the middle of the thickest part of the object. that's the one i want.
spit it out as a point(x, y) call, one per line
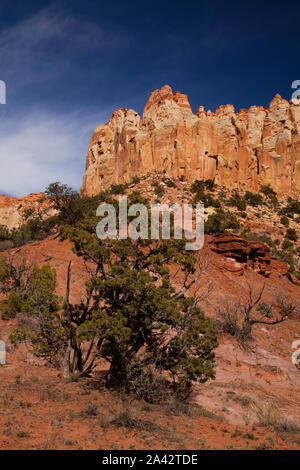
point(42, 148)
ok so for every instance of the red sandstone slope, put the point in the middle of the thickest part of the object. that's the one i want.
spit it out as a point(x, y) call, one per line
point(247, 381)
point(244, 149)
point(40, 411)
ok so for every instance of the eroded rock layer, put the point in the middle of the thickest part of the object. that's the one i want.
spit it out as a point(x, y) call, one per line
point(246, 149)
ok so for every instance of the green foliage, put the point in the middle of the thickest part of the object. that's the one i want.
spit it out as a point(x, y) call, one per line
point(35, 304)
point(237, 201)
point(291, 234)
point(169, 182)
point(135, 180)
point(286, 255)
point(132, 315)
point(286, 244)
point(252, 236)
point(284, 220)
point(199, 188)
point(136, 318)
point(253, 199)
point(118, 188)
point(292, 207)
point(268, 191)
point(159, 190)
point(60, 195)
point(220, 222)
point(4, 233)
point(265, 309)
point(70, 207)
point(4, 272)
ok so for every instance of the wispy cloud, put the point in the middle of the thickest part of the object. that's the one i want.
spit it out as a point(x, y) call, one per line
point(39, 145)
point(42, 148)
point(42, 46)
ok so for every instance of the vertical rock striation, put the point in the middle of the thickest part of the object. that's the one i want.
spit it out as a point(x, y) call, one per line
point(239, 150)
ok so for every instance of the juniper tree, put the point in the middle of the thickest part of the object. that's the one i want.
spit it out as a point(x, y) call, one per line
point(31, 298)
point(132, 314)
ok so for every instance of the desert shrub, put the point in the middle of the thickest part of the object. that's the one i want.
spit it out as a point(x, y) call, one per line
point(35, 305)
point(91, 411)
point(266, 239)
point(286, 244)
point(237, 201)
point(252, 236)
point(118, 188)
point(284, 220)
point(286, 255)
point(268, 191)
point(268, 416)
point(291, 234)
point(127, 419)
point(199, 188)
point(239, 317)
point(148, 383)
point(229, 322)
point(6, 245)
point(136, 198)
point(170, 183)
point(159, 190)
point(265, 309)
point(4, 233)
point(292, 207)
point(248, 235)
point(135, 180)
point(220, 222)
point(253, 199)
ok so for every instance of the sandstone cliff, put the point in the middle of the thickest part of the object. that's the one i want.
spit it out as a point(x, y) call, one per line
point(244, 149)
point(12, 208)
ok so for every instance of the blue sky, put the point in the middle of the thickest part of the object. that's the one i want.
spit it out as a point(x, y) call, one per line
point(68, 64)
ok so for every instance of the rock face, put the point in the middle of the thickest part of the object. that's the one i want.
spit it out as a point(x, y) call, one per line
point(244, 149)
point(12, 208)
point(239, 253)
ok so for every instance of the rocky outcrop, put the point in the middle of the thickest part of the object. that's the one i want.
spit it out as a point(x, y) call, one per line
point(245, 149)
point(240, 253)
point(12, 209)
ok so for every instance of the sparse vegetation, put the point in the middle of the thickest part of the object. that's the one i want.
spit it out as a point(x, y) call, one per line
point(291, 234)
point(220, 222)
point(253, 199)
point(238, 318)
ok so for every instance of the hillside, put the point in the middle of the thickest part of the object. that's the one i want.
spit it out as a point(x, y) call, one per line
point(253, 403)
